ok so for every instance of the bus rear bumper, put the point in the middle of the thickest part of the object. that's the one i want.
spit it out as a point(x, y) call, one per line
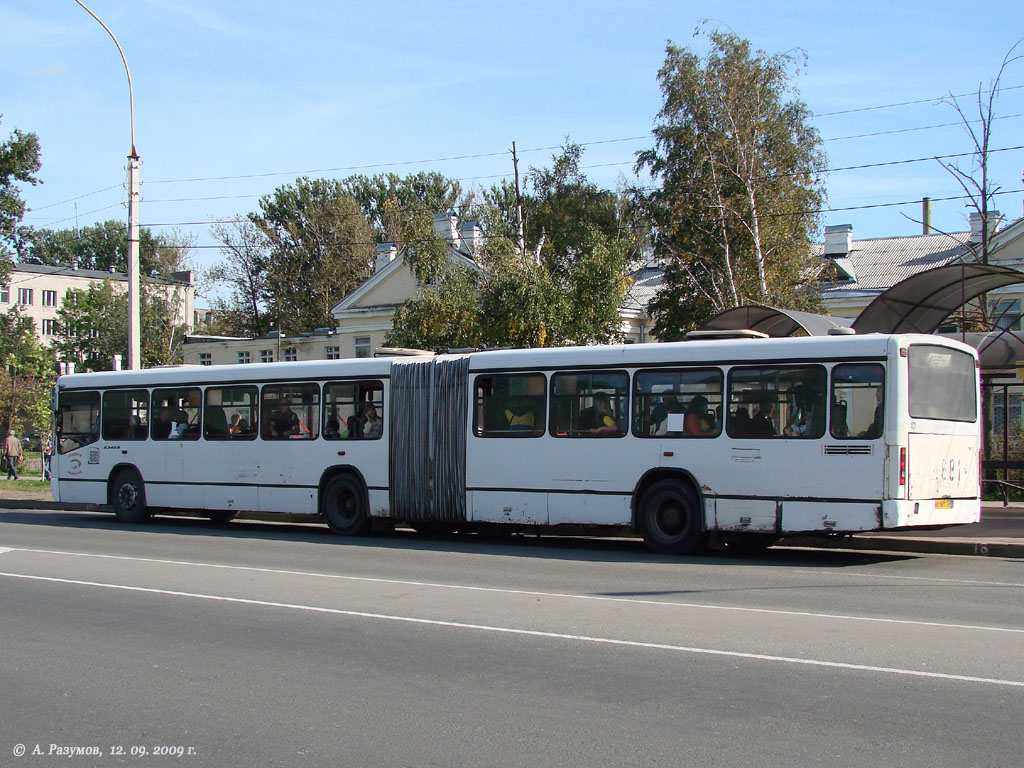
point(901, 513)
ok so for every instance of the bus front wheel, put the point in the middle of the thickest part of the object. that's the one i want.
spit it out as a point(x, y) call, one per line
point(128, 497)
point(669, 518)
point(344, 506)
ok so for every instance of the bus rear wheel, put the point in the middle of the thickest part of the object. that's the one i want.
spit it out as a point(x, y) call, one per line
point(128, 497)
point(344, 506)
point(669, 519)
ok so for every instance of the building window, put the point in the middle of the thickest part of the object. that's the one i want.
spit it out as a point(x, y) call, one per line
point(290, 354)
point(205, 358)
point(362, 346)
point(49, 298)
point(266, 355)
point(332, 353)
point(48, 326)
point(5, 294)
point(1006, 314)
point(25, 296)
point(242, 358)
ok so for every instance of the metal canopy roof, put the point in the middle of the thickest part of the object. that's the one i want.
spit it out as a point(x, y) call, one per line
point(774, 322)
point(921, 302)
point(998, 350)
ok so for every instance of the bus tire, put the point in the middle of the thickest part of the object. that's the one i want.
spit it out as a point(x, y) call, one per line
point(221, 516)
point(344, 506)
point(669, 518)
point(128, 497)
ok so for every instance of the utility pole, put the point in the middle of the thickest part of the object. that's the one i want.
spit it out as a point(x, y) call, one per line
point(519, 203)
point(134, 324)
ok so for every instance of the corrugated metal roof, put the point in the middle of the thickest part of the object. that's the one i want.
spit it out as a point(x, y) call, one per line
point(880, 263)
point(647, 281)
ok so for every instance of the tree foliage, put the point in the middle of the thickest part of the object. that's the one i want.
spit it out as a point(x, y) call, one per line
point(19, 162)
point(104, 246)
point(28, 373)
point(391, 202)
point(92, 326)
point(321, 248)
point(737, 169)
point(243, 272)
point(566, 288)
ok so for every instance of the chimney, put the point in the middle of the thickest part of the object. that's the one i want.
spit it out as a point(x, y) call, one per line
point(838, 240)
point(445, 225)
point(994, 217)
point(926, 216)
point(386, 253)
point(469, 232)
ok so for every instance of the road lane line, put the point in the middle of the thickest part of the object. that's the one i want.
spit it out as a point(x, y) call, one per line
point(531, 593)
point(528, 632)
point(914, 578)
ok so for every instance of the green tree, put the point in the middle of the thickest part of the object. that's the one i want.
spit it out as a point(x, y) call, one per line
point(28, 373)
point(105, 245)
point(738, 173)
point(321, 248)
point(243, 272)
point(19, 162)
point(92, 327)
point(391, 202)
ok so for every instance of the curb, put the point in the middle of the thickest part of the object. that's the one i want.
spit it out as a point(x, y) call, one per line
point(878, 543)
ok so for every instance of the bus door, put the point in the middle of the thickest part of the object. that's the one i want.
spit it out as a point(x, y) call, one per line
point(776, 421)
point(510, 452)
point(429, 403)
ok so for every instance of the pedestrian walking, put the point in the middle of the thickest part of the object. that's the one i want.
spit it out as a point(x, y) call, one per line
point(12, 454)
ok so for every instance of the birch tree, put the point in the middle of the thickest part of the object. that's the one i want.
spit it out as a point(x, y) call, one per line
point(737, 183)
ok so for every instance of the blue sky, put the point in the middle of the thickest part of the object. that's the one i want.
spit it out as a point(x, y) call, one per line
point(232, 88)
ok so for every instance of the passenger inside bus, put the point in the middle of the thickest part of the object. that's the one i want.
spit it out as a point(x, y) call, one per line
point(599, 419)
point(372, 426)
point(762, 424)
point(699, 422)
point(284, 422)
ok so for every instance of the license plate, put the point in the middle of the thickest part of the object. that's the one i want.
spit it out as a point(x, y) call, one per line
point(943, 503)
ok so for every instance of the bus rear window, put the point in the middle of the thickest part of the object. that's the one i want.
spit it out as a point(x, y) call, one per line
point(943, 384)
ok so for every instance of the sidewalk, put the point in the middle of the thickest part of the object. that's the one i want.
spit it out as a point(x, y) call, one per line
point(999, 534)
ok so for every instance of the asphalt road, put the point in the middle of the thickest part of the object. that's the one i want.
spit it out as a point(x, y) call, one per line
point(264, 645)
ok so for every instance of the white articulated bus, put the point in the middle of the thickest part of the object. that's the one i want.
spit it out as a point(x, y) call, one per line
point(743, 439)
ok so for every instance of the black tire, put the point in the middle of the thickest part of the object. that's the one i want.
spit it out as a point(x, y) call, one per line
point(128, 497)
point(343, 505)
point(748, 543)
point(221, 516)
point(669, 518)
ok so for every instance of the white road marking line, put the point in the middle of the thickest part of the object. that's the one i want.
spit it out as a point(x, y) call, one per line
point(532, 593)
point(4, 549)
point(913, 578)
point(530, 632)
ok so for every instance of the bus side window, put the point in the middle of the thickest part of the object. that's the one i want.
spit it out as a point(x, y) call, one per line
point(858, 397)
point(230, 413)
point(678, 403)
point(509, 405)
point(290, 411)
point(777, 401)
point(589, 404)
point(353, 410)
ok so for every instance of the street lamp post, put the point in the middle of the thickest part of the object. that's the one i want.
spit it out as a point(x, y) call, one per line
point(134, 345)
